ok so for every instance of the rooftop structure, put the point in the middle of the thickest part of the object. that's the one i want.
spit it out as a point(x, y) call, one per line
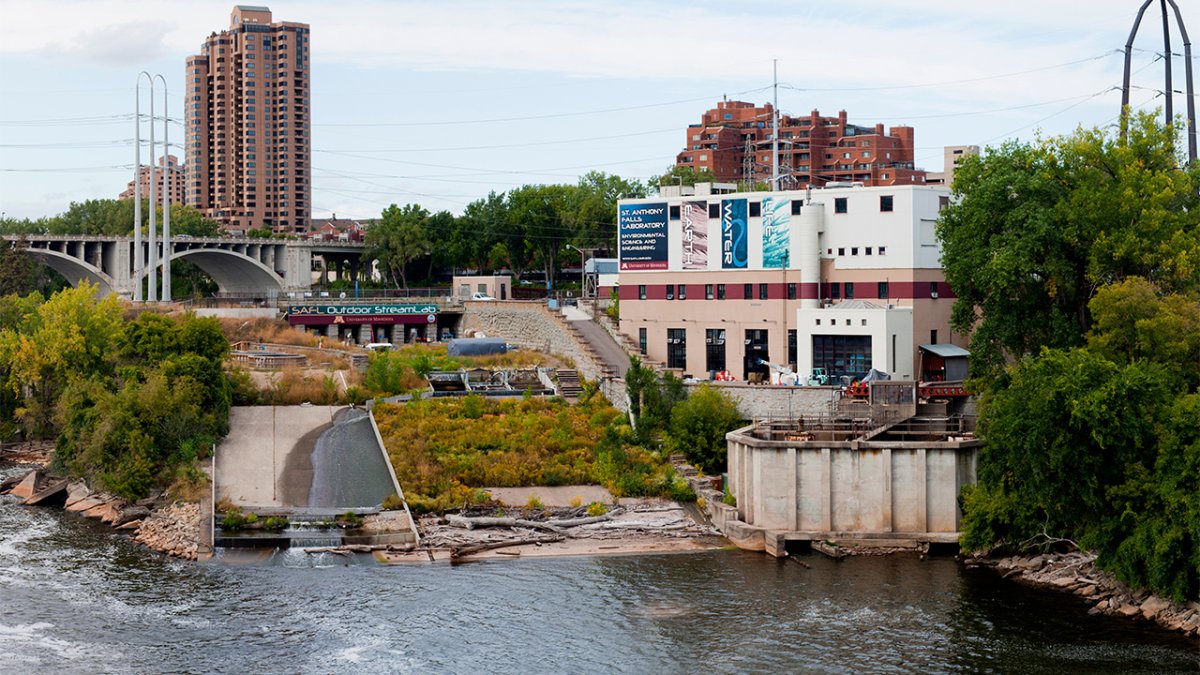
point(175, 180)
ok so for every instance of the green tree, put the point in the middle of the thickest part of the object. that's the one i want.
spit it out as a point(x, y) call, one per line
point(1134, 321)
point(541, 219)
point(70, 337)
point(399, 238)
point(698, 427)
point(681, 174)
point(1036, 228)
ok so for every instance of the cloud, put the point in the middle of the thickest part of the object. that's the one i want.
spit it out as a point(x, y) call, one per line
point(116, 45)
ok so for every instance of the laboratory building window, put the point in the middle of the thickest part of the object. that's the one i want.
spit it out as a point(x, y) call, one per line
point(839, 355)
point(676, 348)
point(714, 350)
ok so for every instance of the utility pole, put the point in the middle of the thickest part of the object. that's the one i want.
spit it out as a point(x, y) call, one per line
point(1169, 93)
point(166, 200)
point(152, 288)
point(775, 127)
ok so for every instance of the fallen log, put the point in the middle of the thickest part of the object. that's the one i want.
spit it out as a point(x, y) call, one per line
point(589, 520)
point(486, 521)
point(460, 551)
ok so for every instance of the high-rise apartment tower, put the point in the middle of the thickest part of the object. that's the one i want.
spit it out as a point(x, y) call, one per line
point(247, 119)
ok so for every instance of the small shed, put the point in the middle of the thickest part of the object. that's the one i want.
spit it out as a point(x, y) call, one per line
point(943, 363)
point(476, 346)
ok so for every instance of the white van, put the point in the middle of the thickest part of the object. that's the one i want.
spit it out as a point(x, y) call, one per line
point(379, 347)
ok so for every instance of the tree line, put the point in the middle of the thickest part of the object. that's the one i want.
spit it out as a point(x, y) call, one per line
point(130, 401)
point(521, 230)
point(1076, 262)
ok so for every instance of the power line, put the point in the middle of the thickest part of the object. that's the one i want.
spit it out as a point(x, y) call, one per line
point(963, 81)
point(531, 117)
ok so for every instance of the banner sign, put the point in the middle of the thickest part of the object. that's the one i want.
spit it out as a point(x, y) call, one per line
point(695, 235)
point(776, 231)
point(733, 233)
point(362, 310)
point(642, 236)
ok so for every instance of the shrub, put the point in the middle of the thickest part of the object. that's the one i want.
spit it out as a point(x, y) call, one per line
point(698, 427)
point(576, 502)
point(350, 520)
point(596, 509)
point(233, 520)
point(275, 523)
point(534, 503)
point(393, 503)
point(729, 499)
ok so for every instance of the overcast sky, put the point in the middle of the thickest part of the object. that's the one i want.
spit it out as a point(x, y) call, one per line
point(438, 103)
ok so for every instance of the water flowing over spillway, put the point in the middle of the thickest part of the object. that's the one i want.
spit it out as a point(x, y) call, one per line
point(80, 598)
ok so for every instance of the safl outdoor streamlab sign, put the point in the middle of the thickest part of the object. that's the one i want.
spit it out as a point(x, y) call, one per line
point(642, 236)
point(356, 314)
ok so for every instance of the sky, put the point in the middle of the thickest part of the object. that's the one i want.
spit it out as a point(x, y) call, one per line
point(440, 102)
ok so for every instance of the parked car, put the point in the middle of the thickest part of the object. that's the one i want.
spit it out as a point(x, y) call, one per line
point(480, 295)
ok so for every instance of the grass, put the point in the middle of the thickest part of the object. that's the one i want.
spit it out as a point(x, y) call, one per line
point(444, 450)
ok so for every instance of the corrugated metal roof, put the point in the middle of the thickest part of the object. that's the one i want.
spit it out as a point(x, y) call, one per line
point(946, 350)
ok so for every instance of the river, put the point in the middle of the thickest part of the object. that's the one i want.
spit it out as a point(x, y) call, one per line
point(76, 597)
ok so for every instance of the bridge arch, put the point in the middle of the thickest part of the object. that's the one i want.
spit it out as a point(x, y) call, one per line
point(233, 272)
point(74, 269)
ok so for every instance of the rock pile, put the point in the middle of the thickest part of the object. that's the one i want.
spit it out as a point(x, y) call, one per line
point(174, 530)
point(1077, 573)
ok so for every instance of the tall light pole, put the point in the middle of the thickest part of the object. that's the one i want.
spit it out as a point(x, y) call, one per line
point(166, 200)
point(775, 127)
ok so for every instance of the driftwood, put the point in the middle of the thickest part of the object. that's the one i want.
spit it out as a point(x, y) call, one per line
point(460, 551)
point(576, 522)
point(472, 523)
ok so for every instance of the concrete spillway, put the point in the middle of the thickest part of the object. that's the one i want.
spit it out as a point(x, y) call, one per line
point(301, 459)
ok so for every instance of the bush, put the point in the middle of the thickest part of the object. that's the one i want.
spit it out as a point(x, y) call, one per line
point(275, 523)
point(393, 503)
point(596, 509)
point(534, 503)
point(698, 427)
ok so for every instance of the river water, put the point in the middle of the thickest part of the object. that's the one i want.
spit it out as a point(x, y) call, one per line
point(76, 597)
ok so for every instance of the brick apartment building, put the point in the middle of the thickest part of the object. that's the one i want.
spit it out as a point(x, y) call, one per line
point(247, 117)
point(733, 141)
point(175, 181)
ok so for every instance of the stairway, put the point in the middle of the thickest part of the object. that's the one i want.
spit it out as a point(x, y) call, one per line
point(568, 383)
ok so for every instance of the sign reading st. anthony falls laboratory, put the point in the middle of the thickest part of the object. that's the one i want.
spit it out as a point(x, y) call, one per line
point(642, 236)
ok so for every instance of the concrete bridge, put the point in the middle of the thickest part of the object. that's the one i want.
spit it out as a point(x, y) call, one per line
point(238, 265)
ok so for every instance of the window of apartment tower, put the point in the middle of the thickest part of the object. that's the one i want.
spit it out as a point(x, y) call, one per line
point(720, 291)
point(708, 291)
point(839, 205)
point(748, 291)
point(885, 203)
point(642, 340)
point(641, 292)
point(676, 348)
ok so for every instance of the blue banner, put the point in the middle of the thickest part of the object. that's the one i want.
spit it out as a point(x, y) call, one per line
point(642, 236)
point(776, 232)
point(733, 233)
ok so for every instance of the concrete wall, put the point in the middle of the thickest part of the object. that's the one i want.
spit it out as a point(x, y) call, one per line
point(756, 402)
point(811, 489)
point(531, 325)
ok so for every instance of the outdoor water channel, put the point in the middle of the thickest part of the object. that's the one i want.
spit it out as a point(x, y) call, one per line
point(78, 597)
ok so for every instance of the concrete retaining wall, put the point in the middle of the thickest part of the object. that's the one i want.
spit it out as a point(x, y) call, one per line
point(808, 490)
point(754, 402)
point(533, 325)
